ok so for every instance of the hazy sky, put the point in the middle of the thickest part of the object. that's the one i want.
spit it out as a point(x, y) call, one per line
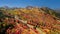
point(24, 3)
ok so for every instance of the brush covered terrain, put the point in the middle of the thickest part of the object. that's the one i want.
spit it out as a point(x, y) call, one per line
point(29, 20)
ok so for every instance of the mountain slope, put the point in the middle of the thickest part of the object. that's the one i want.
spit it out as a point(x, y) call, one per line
point(28, 20)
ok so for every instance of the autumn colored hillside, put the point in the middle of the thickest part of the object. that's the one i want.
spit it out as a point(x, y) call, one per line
point(29, 20)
